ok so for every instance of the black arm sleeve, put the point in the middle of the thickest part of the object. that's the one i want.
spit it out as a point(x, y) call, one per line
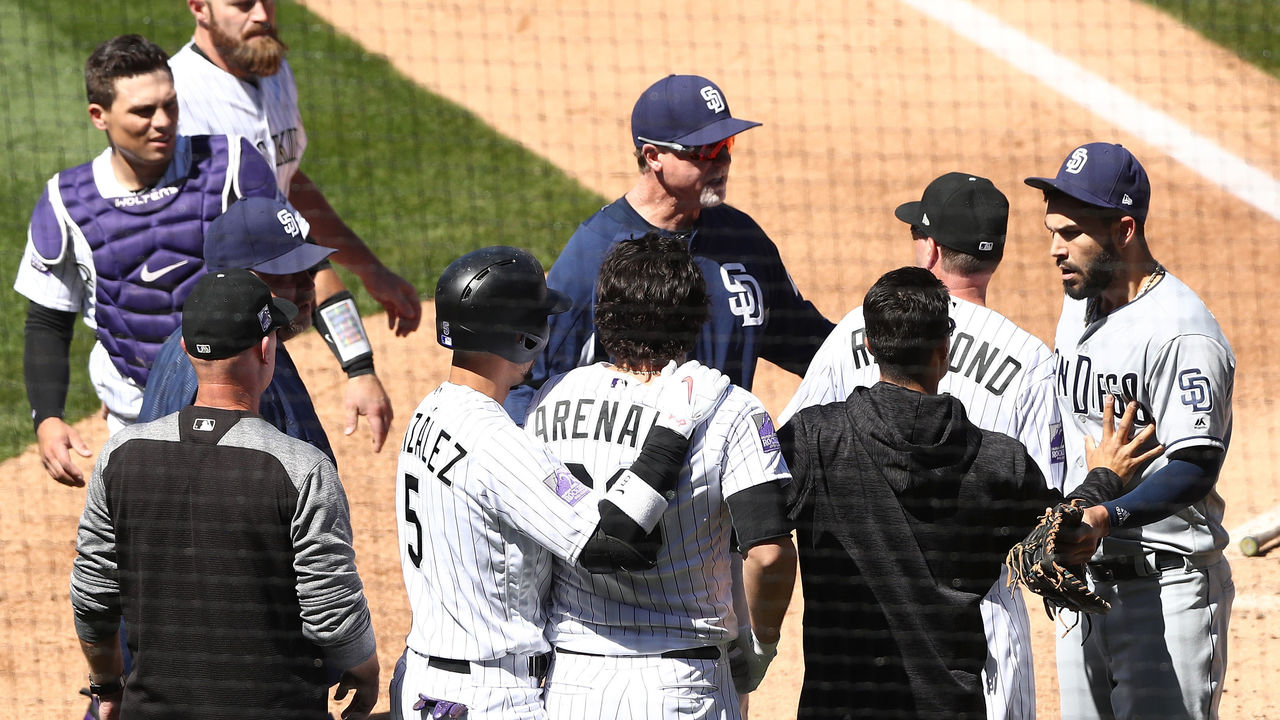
point(619, 543)
point(46, 362)
point(758, 515)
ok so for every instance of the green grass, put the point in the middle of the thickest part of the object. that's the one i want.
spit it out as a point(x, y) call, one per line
point(420, 178)
point(1248, 27)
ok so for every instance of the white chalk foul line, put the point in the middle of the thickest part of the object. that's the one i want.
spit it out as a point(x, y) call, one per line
point(1098, 95)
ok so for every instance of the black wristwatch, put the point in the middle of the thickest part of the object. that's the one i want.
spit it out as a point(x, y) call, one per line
point(112, 687)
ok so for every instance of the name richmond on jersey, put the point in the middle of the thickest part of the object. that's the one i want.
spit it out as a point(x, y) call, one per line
point(590, 418)
point(983, 363)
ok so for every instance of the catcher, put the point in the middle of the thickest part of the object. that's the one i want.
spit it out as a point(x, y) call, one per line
point(904, 509)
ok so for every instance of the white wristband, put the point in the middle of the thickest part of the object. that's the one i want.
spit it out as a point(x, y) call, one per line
point(637, 500)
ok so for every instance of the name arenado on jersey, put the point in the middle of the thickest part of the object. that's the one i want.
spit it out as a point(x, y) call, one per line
point(136, 200)
point(967, 358)
point(599, 420)
point(1087, 389)
point(433, 445)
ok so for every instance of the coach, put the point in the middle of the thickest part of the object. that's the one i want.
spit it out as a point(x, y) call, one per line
point(684, 135)
point(225, 544)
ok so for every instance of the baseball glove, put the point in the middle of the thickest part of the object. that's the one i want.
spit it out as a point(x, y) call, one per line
point(1031, 563)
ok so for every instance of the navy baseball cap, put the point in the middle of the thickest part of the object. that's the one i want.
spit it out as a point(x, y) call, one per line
point(262, 234)
point(961, 211)
point(1105, 175)
point(229, 311)
point(686, 109)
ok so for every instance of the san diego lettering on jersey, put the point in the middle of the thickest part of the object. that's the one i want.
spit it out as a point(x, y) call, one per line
point(599, 420)
point(433, 445)
point(980, 361)
point(1086, 389)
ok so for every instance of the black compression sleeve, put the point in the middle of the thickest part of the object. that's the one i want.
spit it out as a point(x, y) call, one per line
point(758, 515)
point(1185, 480)
point(46, 363)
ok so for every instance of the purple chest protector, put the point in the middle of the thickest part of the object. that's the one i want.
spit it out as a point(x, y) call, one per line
point(148, 250)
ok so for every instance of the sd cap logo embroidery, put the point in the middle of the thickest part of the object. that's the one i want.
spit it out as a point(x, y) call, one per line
point(715, 101)
point(1076, 162)
point(288, 222)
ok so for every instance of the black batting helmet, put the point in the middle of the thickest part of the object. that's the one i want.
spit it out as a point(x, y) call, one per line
point(496, 300)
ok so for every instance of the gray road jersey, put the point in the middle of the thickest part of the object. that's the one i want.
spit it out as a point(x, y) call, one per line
point(1166, 351)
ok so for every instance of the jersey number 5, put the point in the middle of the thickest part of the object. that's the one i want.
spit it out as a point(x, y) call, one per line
point(411, 517)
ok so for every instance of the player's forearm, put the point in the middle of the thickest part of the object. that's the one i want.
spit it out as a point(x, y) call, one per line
point(106, 661)
point(336, 307)
point(328, 228)
point(769, 575)
point(46, 366)
point(1169, 490)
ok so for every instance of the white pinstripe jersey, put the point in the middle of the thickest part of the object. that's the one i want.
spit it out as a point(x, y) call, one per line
point(595, 419)
point(1167, 351)
point(212, 101)
point(1001, 373)
point(1003, 376)
point(481, 510)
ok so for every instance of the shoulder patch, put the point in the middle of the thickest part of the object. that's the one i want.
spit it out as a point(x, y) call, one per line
point(566, 486)
point(764, 428)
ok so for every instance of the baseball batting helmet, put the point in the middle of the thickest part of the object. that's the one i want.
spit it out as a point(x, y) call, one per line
point(496, 300)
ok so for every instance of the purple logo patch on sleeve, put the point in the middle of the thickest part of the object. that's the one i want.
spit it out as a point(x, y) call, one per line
point(768, 438)
point(565, 485)
point(1057, 448)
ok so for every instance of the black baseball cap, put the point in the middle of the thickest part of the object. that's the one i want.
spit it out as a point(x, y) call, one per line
point(688, 110)
point(961, 211)
point(263, 234)
point(1104, 175)
point(229, 311)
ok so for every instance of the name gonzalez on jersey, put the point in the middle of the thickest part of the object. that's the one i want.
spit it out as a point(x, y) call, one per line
point(432, 445)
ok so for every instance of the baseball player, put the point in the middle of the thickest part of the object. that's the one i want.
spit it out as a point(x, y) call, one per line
point(268, 238)
point(119, 240)
point(1002, 375)
point(233, 79)
point(683, 134)
point(482, 509)
point(623, 640)
point(1131, 330)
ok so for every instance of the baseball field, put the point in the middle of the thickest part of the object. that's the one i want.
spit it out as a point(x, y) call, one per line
point(863, 102)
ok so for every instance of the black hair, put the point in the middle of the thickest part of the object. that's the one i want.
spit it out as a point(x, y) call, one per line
point(907, 312)
point(120, 57)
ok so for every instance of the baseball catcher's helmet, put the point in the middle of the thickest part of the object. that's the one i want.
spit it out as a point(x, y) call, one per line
point(496, 300)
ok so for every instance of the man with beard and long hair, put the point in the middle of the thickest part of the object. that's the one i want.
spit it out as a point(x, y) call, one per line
point(232, 78)
point(1132, 331)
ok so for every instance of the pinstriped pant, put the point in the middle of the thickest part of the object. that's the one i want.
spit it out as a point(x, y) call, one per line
point(644, 687)
point(494, 689)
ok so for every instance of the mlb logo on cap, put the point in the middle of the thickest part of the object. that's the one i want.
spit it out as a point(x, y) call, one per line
point(1105, 175)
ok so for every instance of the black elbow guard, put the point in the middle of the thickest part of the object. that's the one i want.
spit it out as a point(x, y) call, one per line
point(619, 544)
